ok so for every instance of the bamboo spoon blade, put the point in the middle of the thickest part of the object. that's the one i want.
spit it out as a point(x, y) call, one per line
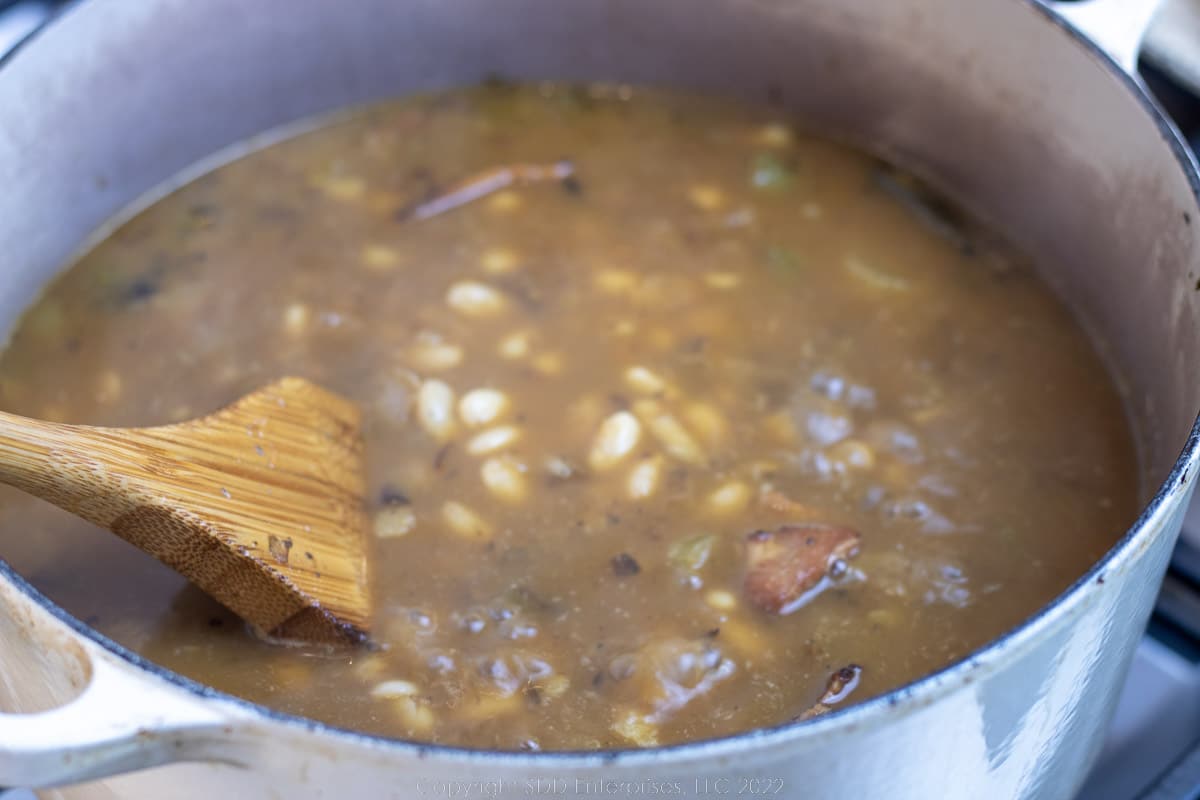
point(259, 504)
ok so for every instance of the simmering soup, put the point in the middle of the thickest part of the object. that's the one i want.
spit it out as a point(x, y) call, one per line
point(680, 422)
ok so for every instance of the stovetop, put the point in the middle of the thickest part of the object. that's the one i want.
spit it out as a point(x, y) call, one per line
point(1153, 746)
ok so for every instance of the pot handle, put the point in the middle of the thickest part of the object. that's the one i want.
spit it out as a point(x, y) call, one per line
point(1118, 27)
point(120, 722)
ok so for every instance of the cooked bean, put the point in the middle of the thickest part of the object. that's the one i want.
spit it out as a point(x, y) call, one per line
point(493, 439)
point(431, 354)
point(721, 600)
point(344, 187)
point(394, 521)
point(729, 498)
point(465, 522)
point(706, 197)
point(505, 202)
point(616, 281)
point(295, 319)
point(475, 299)
point(644, 478)
point(395, 688)
point(551, 363)
point(482, 406)
point(670, 432)
point(415, 714)
point(435, 409)
point(723, 280)
point(505, 478)
point(515, 345)
point(615, 440)
point(643, 380)
point(379, 258)
point(498, 260)
point(709, 423)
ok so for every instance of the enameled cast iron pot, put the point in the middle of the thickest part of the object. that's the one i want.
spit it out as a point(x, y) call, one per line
point(1001, 102)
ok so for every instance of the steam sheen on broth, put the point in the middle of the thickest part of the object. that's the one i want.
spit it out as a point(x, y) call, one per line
point(680, 422)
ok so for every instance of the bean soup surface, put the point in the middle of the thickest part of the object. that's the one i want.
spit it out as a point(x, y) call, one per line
point(680, 422)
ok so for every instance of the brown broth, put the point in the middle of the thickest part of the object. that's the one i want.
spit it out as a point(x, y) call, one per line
point(817, 327)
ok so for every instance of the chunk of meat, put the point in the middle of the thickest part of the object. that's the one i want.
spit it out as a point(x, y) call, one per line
point(785, 564)
point(840, 685)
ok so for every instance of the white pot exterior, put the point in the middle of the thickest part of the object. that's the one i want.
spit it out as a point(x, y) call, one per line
point(994, 98)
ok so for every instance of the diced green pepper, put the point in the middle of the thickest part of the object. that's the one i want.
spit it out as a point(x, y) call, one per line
point(689, 555)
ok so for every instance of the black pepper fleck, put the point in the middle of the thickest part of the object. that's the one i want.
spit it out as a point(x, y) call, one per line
point(625, 565)
point(391, 496)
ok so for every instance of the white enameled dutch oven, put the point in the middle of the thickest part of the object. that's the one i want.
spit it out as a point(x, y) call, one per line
point(1002, 102)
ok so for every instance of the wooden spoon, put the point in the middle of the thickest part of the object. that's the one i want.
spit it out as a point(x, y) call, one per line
point(260, 504)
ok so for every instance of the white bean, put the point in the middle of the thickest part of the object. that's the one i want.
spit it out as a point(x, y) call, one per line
point(551, 363)
point(707, 421)
point(670, 432)
point(395, 688)
point(435, 409)
point(498, 260)
point(434, 355)
point(475, 299)
point(344, 187)
point(463, 521)
point(415, 714)
point(515, 345)
point(615, 281)
point(379, 258)
point(504, 202)
point(644, 477)
point(723, 280)
point(729, 498)
point(295, 319)
point(505, 478)
point(482, 406)
point(721, 600)
point(493, 439)
point(641, 379)
point(615, 440)
point(706, 198)
point(392, 522)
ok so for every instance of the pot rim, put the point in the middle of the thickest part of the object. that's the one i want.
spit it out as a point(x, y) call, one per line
point(901, 700)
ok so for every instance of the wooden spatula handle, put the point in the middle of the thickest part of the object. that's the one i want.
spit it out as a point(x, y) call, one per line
point(260, 503)
point(92, 472)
